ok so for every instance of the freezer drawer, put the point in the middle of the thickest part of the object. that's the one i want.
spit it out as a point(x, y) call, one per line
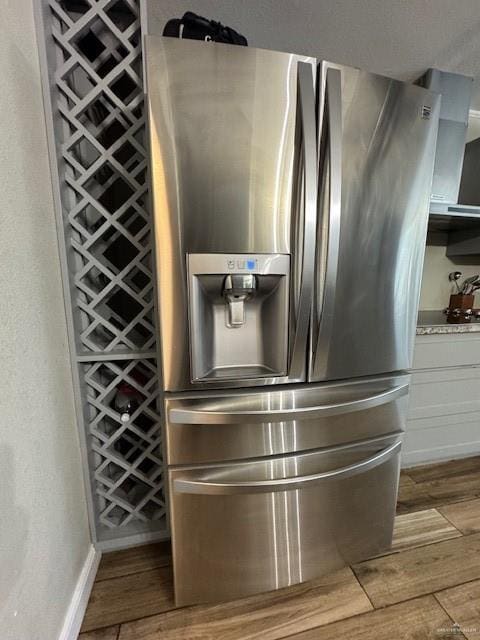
point(214, 427)
point(245, 528)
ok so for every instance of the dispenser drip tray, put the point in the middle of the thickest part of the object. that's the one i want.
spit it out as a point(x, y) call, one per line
point(241, 371)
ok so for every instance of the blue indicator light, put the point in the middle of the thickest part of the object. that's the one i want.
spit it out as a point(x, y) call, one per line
point(250, 264)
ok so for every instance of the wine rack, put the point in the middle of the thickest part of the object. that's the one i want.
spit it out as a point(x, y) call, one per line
point(91, 55)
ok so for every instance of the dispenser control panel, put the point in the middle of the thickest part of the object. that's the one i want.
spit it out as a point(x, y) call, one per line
point(257, 263)
point(242, 264)
point(225, 263)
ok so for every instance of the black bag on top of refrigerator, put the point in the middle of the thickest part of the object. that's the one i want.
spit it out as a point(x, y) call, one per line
point(198, 28)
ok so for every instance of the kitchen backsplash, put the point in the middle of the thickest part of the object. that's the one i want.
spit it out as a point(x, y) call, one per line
point(436, 287)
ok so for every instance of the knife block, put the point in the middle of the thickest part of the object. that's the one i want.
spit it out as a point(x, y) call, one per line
point(460, 302)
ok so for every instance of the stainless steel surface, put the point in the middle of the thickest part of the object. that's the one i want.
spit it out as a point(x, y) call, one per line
point(388, 150)
point(257, 345)
point(469, 186)
point(449, 162)
point(267, 540)
point(456, 92)
point(270, 487)
point(464, 242)
point(223, 481)
point(449, 221)
point(219, 426)
point(225, 144)
point(330, 225)
point(305, 236)
point(299, 404)
point(237, 289)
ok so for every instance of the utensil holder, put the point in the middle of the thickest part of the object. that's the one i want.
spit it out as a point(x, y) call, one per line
point(460, 308)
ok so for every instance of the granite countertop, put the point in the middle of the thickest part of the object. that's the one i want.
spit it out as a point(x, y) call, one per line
point(435, 322)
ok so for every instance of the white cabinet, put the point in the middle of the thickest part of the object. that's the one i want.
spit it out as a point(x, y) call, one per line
point(444, 414)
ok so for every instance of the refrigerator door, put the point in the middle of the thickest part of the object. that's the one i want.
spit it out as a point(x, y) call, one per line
point(261, 525)
point(222, 426)
point(376, 154)
point(233, 156)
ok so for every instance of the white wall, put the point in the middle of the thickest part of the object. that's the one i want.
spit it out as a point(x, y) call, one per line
point(393, 37)
point(44, 538)
point(436, 288)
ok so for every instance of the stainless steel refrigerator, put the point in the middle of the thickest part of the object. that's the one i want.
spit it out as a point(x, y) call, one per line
point(290, 204)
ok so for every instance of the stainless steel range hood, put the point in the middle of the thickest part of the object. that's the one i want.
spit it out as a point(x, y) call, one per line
point(455, 200)
point(456, 91)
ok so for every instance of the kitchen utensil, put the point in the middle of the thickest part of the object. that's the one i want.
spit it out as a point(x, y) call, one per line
point(475, 284)
point(454, 276)
point(467, 283)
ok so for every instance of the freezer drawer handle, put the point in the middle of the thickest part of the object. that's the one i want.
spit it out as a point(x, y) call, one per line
point(285, 484)
point(198, 415)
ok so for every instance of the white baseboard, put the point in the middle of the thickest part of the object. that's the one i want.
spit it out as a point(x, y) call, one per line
point(78, 603)
point(135, 540)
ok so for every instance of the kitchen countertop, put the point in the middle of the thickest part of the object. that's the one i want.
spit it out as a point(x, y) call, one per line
point(435, 322)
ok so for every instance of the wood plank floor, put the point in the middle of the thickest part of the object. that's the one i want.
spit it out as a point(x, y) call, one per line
point(428, 586)
point(462, 603)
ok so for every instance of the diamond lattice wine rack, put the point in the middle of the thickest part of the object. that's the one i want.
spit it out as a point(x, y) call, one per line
point(91, 55)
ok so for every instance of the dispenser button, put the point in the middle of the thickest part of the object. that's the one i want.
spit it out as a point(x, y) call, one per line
point(231, 264)
point(250, 264)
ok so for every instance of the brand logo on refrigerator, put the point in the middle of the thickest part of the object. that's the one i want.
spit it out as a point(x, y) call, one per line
point(426, 112)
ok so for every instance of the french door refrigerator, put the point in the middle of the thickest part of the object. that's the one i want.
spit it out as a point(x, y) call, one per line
point(290, 205)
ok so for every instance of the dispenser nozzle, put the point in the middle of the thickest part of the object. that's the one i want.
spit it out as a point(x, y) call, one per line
point(237, 289)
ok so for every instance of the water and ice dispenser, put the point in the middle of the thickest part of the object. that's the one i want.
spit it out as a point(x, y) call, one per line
point(238, 313)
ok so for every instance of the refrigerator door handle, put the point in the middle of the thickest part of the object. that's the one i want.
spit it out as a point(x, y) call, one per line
point(305, 241)
point(333, 90)
point(209, 487)
point(234, 413)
